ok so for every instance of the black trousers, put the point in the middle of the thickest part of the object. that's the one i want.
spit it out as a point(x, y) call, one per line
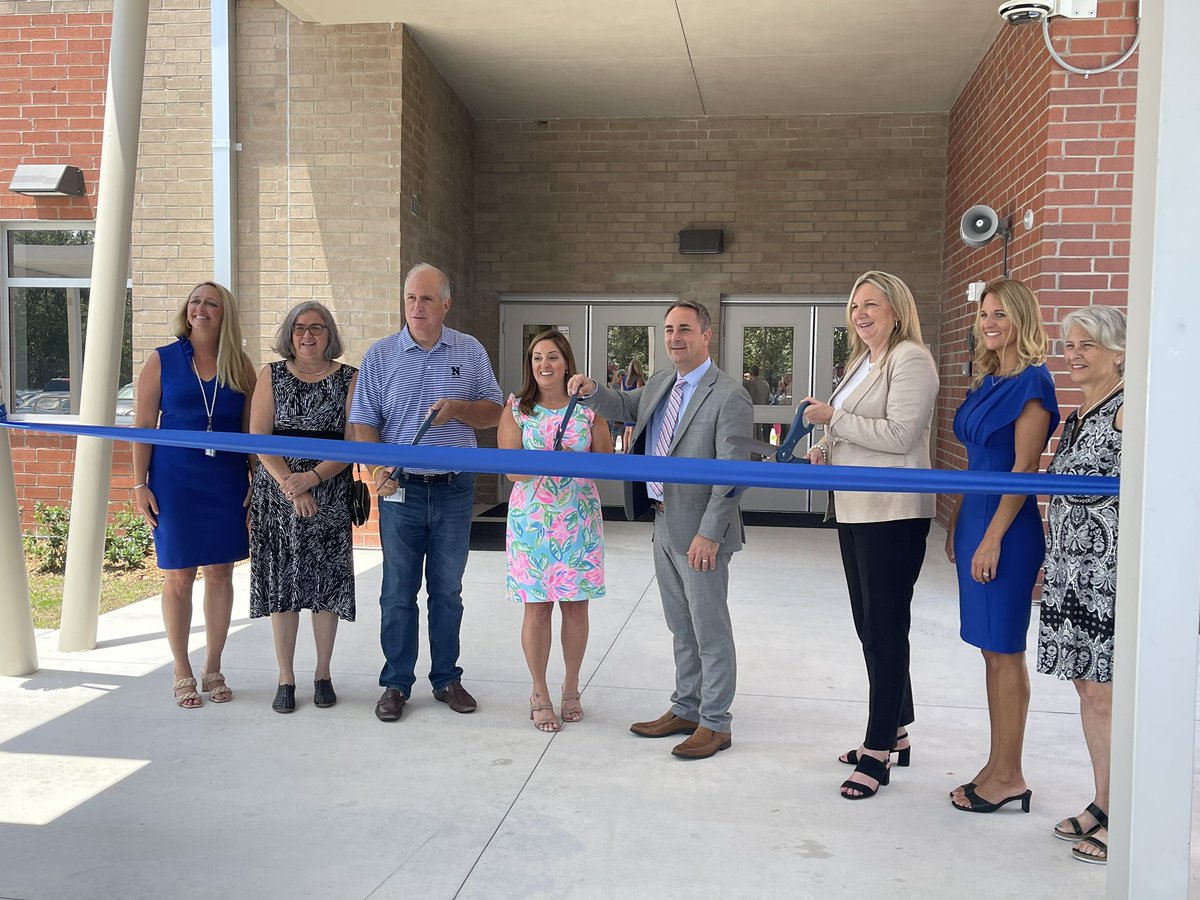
point(882, 562)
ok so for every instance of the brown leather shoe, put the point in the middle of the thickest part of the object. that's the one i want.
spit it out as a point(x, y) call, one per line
point(390, 705)
point(456, 697)
point(704, 743)
point(664, 726)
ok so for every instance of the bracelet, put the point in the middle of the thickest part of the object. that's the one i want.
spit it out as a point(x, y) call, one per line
point(136, 486)
point(824, 453)
point(318, 474)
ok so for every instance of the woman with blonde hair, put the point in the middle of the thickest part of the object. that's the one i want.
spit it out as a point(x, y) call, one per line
point(996, 541)
point(196, 499)
point(880, 415)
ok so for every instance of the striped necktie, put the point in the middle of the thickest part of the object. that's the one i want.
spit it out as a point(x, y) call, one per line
point(666, 431)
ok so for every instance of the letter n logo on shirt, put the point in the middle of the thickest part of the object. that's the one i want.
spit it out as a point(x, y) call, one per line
point(454, 370)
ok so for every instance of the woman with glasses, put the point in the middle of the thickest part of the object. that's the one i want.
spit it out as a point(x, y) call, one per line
point(301, 541)
point(195, 499)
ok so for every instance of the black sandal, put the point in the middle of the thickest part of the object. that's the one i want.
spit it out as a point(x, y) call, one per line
point(323, 693)
point(872, 768)
point(285, 699)
point(903, 757)
point(1098, 859)
point(979, 805)
point(1077, 833)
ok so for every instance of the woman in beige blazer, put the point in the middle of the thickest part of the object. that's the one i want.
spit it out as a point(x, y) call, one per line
point(880, 415)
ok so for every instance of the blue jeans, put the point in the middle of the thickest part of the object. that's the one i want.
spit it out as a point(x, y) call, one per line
point(430, 529)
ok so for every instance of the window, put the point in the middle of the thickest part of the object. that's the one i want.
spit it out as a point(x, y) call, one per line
point(45, 285)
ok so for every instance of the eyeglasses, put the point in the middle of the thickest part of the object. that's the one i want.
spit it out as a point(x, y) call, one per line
point(315, 330)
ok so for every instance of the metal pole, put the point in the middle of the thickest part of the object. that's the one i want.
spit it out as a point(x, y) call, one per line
point(18, 652)
point(106, 320)
point(1158, 587)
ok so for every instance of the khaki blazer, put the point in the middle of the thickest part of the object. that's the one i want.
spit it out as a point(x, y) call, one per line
point(885, 422)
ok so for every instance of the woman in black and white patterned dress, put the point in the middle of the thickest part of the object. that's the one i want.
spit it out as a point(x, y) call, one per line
point(1079, 593)
point(301, 541)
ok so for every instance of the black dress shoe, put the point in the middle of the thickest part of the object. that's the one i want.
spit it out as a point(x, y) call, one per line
point(323, 693)
point(285, 699)
point(456, 697)
point(390, 705)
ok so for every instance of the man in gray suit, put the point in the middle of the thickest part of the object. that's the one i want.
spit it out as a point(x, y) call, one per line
point(688, 411)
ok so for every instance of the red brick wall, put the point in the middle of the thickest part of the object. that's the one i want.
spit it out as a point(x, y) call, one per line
point(44, 467)
point(1027, 135)
point(53, 71)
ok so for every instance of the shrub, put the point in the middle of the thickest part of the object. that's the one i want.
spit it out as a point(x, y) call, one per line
point(127, 539)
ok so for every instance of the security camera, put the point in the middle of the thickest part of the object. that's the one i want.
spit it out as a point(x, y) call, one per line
point(1021, 12)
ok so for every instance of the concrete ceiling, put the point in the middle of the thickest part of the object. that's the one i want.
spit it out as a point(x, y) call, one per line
point(543, 59)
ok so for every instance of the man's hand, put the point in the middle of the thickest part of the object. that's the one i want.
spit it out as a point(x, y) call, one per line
point(581, 385)
point(385, 485)
point(702, 555)
point(446, 409)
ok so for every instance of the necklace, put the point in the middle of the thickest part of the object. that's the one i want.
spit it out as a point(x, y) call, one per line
point(1084, 410)
point(303, 371)
point(209, 408)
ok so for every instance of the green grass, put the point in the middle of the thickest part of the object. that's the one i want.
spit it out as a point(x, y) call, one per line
point(118, 587)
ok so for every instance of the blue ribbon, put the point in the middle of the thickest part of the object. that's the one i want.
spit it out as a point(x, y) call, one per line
point(618, 467)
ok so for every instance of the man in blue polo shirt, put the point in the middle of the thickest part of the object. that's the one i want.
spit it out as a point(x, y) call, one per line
point(424, 514)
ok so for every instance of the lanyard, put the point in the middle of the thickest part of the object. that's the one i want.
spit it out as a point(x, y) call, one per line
point(209, 408)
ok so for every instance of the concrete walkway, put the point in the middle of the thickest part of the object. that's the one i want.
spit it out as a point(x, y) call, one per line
point(109, 791)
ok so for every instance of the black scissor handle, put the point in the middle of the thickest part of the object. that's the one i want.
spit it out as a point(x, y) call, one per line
point(424, 427)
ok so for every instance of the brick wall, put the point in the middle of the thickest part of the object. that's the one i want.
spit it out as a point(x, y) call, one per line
point(44, 467)
point(807, 204)
point(53, 70)
point(1027, 135)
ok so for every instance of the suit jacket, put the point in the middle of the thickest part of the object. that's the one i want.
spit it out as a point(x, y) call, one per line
point(719, 408)
point(886, 422)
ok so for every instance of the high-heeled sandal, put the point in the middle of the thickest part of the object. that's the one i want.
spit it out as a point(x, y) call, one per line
point(213, 684)
point(572, 715)
point(189, 699)
point(548, 727)
point(903, 757)
point(979, 805)
point(872, 768)
point(1076, 832)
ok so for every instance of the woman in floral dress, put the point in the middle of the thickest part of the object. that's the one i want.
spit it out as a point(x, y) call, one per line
point(555, 540)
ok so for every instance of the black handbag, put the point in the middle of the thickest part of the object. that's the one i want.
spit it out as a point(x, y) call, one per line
point(360, 500)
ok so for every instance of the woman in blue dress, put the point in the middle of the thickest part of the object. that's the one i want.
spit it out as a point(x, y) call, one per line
point(196, 499)
point(996, 541)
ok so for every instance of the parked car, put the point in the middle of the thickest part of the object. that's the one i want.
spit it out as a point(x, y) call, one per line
point(125, 405)
point(47, 403)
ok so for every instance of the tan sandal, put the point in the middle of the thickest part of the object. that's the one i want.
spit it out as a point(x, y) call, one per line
point(548, 726)
point(184, 700)
point(214, 685)
point(575, 714)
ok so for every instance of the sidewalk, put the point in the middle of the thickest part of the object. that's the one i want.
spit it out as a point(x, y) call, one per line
point(108, 791)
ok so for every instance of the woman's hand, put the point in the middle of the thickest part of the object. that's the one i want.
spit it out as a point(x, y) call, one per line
point(950, 544)
point(985, 563)
point(818, 413)
point(816, 457)
point(305, 505)
point(298, 483)
point(145, 503)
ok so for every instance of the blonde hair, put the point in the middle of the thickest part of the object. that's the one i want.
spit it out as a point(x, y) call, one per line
point(1023, 311)
point(908, 324)
point(232, 363)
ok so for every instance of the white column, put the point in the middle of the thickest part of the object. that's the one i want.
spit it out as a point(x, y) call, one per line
point(18, 654)
point(1158, 588)
point(106, 320)
point(224, 147)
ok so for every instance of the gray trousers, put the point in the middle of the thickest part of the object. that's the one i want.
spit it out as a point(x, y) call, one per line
point(696, 608)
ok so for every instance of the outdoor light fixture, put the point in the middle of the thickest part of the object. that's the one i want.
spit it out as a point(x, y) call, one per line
point(47, 181)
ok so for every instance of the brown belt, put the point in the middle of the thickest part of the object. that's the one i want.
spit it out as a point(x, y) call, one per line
point(658, 506)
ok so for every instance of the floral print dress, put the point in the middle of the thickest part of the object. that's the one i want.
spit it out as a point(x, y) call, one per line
point(555, 540)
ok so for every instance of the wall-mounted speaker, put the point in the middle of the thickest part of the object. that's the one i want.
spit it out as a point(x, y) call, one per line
point(699, 240)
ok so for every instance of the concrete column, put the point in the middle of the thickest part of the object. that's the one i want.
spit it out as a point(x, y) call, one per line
point(224, 147)
point(106, 319)
point(1158, 587)
point(18, 654)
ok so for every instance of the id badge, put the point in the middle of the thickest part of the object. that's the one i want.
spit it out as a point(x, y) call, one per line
point(210, 452)
point(399, 495)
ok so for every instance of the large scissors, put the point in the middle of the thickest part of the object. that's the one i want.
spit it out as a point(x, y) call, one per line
point(786, 451)
point(395, 475)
